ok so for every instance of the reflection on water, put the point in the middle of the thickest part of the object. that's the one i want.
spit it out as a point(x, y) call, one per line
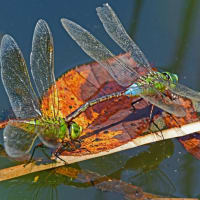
point(145, 165)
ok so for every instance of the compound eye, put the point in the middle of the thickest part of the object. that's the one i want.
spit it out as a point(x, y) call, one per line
point(166, 75)
point(75, 130)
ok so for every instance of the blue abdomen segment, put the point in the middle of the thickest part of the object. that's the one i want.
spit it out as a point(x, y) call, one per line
point(133, 90)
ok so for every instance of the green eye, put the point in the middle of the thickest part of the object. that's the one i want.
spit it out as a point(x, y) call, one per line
point(167, 76)
point(173, 78)
point(75, 130)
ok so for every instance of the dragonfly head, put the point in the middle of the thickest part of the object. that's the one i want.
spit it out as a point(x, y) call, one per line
point(173, 78)
point(70, 130)
point(75, 130)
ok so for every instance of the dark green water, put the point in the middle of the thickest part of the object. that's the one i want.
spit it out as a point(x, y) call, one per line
point(168, 32)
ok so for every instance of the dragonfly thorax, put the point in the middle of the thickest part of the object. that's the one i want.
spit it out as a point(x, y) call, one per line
point(51, 131)
point(157, 80)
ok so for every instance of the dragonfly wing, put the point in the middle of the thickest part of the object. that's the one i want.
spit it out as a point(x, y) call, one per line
point(167, 105)
point(120, 71)
point(171, 106)
point(184, 91)
point(17, 141)
point(16, 80)
point(161, 100)
point(123, 73)
point(116, 31)
point(48, 134)
point(42, 62)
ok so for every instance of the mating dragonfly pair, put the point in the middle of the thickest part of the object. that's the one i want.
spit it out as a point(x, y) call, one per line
point(54, 131)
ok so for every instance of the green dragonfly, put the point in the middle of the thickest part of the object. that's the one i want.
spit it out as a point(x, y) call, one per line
point(152, 86)
point(31, 122)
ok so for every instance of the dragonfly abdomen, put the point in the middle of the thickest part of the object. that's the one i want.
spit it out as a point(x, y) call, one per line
point(137, 89)
point(133, 90)
point(91, 103)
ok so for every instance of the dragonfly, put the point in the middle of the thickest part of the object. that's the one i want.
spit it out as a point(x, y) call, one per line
point(32, 121)
point(157, 88)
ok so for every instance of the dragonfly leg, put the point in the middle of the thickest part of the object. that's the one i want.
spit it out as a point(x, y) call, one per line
point(151, 112)
point(133, 104)
point(158, 129)
point(174, 119)
point(71, 146)
point(78, 141)
point(152, 121)
point(41, 146)
point(57, 155)
point(77, 145)
point(60, 150)
point(172, 98)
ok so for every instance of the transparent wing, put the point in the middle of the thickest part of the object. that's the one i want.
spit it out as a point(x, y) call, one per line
point(165, 104)
point(116, 31)
point(42, 63)
point(120, 71)
point(16, 80)
point(17, 141)
point(49, 134)
point(123, 73)
point(185, 92)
